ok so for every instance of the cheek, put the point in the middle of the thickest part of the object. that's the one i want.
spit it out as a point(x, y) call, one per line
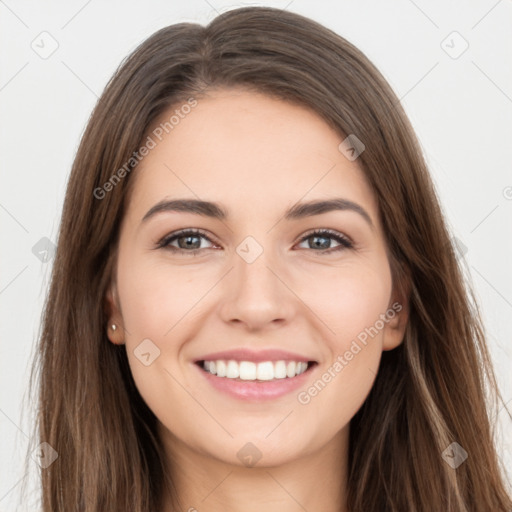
point(346, 299)
point(156, 296)
point(350, 304)
point(153, 300)
point(156, 305)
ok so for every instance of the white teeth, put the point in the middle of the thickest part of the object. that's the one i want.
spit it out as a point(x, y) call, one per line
point(221, 369)
point(280, 370)
point(247, 370)
point(232, 371)
point(265, 371)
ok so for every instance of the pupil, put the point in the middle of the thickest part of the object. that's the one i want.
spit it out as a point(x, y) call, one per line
point(324, 245)
point(188, 244)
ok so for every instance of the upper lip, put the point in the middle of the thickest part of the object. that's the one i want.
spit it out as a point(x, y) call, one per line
point(245, 354)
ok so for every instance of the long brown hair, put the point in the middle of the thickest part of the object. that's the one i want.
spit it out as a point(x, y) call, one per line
point(430, 392)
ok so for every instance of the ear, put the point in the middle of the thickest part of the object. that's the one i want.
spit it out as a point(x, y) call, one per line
point(397, 318)
point(111, 304)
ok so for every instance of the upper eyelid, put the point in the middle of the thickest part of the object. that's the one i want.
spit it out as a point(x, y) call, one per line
point(183, 232)
point(166, 239)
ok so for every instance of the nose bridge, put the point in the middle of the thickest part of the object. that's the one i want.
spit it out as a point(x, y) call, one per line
point(257, 294)
point(253, 264)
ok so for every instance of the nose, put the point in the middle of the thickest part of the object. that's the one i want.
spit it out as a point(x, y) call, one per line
point(256, 294)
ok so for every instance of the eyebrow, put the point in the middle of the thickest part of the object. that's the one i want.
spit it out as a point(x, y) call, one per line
point(296, 212)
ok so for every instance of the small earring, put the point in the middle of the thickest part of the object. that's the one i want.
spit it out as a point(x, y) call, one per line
point(114, 327)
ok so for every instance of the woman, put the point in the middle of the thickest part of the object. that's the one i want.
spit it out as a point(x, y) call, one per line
point(255, 302)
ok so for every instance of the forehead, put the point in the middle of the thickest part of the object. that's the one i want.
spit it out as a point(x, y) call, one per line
point(249, 151)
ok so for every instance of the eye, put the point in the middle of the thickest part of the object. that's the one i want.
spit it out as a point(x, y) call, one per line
point(322, 237)
point(189, 241)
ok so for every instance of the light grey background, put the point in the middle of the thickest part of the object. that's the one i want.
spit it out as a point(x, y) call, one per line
point(460, 106)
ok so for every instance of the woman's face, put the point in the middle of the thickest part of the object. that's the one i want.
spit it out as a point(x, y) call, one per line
point(260, 286)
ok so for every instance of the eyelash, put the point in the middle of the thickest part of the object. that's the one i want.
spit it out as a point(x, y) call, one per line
point(344, 242)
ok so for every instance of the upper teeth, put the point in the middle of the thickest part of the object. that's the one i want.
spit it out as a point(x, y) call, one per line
point(247, 370)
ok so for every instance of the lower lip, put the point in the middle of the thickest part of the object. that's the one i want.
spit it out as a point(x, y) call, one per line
point(256, 391)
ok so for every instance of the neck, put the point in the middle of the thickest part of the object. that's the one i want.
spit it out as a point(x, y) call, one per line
point(312, 481)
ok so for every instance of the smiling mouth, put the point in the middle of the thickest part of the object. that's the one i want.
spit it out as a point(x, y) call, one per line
point(248, 371)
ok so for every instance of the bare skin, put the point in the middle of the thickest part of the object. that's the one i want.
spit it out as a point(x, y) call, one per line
point(255, 156)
